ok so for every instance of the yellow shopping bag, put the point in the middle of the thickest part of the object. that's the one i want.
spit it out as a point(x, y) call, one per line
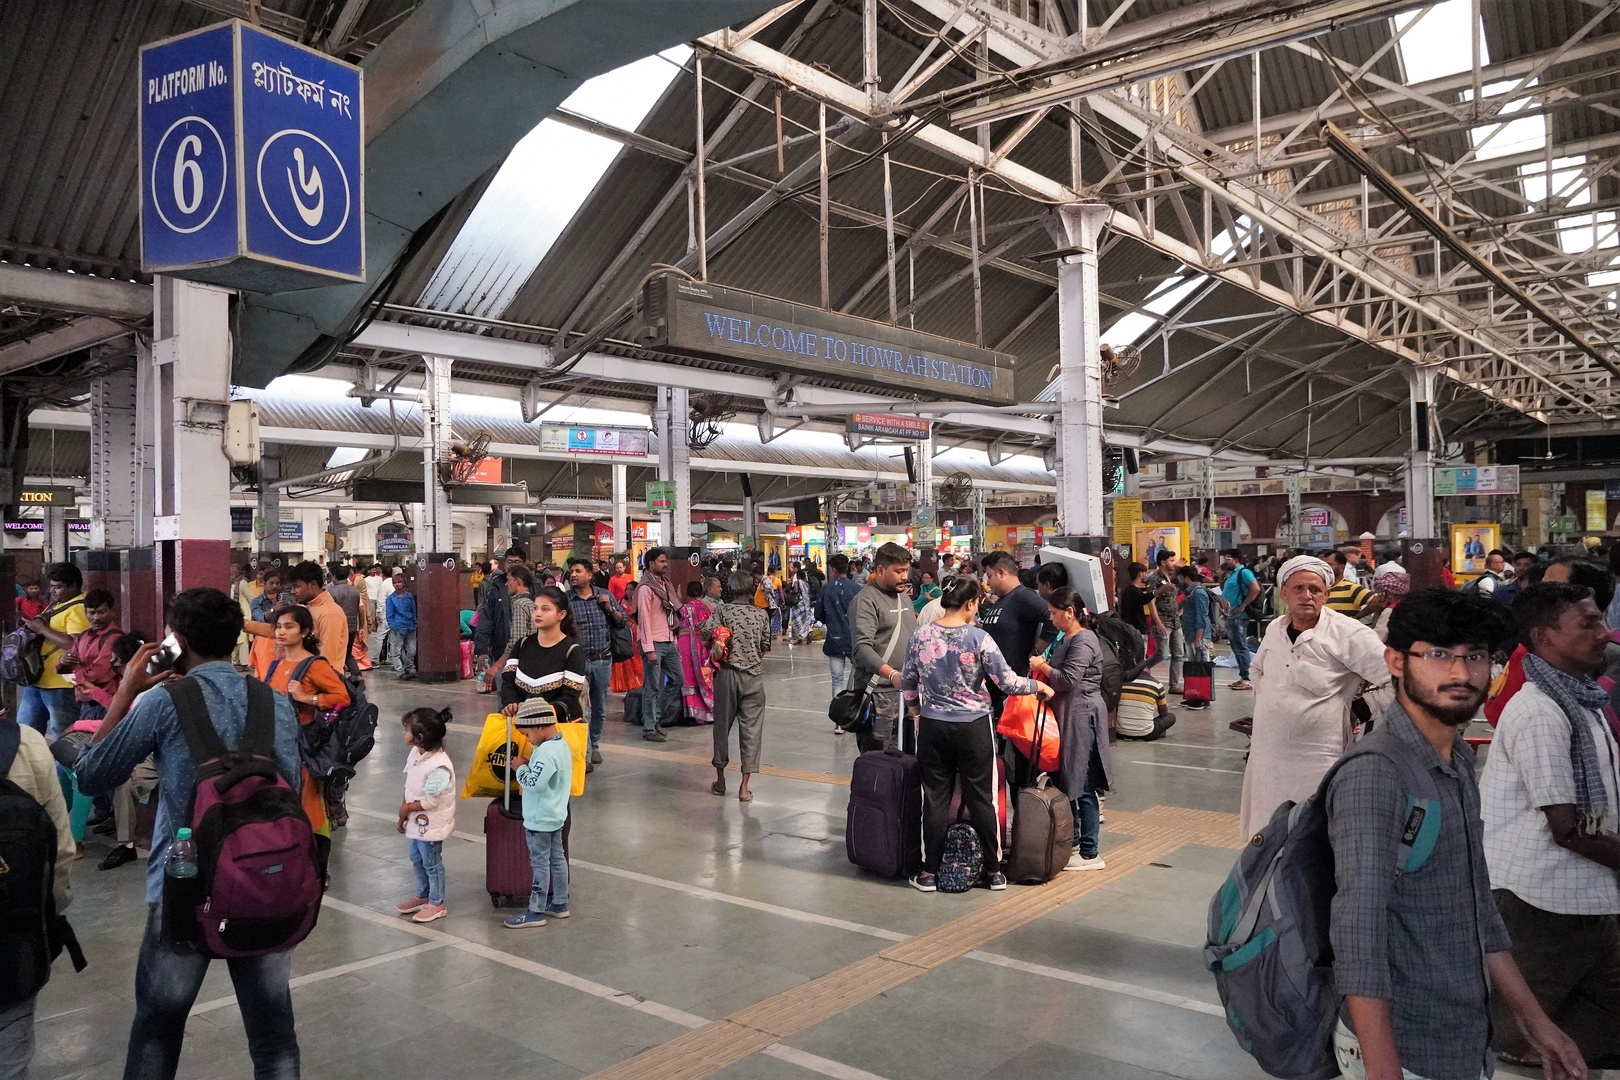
point(578, 737)
point(489, 776)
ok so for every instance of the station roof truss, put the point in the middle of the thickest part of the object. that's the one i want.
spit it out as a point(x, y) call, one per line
point(1278, 286)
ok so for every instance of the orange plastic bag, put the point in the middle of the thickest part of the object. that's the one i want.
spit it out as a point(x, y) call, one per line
point(1026, 721)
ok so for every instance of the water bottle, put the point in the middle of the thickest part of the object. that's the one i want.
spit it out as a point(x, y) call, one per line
point(181, 889)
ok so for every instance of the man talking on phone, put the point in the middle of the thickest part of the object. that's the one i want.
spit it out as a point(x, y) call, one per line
point(203, 626)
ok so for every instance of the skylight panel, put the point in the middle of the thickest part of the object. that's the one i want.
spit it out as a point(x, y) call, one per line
point(1135, 325)
point(345, 455)
point(1577, 232)
point(545, 180)
point(1437, 45)
point(1505, 135)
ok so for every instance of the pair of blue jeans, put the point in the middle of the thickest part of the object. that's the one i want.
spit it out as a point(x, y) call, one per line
point(661, 683)
point(1087, 829)
point(48, 711)
point(598, 675)
point(427, 859)
point(550, 866)
point(166, 985)
point(1237, 631)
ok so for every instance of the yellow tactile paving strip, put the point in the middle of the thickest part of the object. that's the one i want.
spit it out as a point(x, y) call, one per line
point(1154, 832)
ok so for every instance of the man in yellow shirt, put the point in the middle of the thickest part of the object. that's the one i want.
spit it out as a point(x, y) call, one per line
point(49, 706)
point(1347, 597)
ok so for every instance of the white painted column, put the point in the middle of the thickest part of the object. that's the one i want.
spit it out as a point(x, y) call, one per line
point(435, 533)
point(1080, 444)
point(191, 360)
point(115, 465)
point(675, 464)
point(1420, 521)
point(621, 506)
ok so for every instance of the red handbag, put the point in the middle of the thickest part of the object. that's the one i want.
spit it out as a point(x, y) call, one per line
point(1030, 726)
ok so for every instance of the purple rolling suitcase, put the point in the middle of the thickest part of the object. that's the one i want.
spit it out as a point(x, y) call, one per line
point(507, 873)
point(883, 827)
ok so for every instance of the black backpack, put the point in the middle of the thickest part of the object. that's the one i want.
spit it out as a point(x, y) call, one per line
point(1124, 654)
point(32, 933)
point(22, 659)
point(334, 747)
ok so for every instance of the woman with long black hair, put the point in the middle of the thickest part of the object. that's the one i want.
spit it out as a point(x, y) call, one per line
point(549, 662)
point(1074, 670)
point(943, 684)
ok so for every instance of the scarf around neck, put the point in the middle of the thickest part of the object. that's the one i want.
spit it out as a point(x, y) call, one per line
point(1577, 697)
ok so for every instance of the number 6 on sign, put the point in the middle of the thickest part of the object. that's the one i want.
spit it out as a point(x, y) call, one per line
point(188, 173)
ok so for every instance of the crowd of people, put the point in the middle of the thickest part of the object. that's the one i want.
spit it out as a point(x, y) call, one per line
point(1518, 904)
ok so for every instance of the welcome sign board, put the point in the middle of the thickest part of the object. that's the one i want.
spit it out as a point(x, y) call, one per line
point(704, 320)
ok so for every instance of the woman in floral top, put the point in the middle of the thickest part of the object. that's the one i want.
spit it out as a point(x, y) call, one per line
point(943, 684)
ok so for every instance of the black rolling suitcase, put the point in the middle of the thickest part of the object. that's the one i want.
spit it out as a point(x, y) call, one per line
point(883, 827)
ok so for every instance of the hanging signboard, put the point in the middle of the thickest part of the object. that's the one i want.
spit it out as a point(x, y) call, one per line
point(1315, 518)
point(885, 426)
point(251, 161)
point(700, 319)
point(1477, 480)
point(290, 530)
point(554, 438)
point(660, 494)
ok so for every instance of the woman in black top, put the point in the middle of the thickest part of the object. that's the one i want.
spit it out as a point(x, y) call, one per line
point(549, 662)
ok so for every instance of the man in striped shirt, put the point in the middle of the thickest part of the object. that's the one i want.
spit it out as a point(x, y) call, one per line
point(1348, 596)
point(1144, 710)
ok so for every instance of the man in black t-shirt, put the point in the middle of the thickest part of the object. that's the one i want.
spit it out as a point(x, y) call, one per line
point(1019, 621)
point(1136, 602)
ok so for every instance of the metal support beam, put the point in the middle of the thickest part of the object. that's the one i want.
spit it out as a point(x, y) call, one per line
point(115, 471)
point(191, 390)
point(268, 509)
point(675, 463)
point(70, 338)
point(74, 292)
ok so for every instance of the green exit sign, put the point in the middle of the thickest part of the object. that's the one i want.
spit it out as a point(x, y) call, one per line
point(661, 495)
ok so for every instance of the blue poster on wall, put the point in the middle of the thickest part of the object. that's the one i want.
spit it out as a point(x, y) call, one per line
point(252, 161)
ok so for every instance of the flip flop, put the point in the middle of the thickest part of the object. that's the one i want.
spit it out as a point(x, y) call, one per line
point(717, 788)
point(745, 798)
point(1240, 685)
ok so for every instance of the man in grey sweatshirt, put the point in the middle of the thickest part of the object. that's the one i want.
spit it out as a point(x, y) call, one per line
point(873, 615)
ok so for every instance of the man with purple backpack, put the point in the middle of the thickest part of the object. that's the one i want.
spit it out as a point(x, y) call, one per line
point(204, 624)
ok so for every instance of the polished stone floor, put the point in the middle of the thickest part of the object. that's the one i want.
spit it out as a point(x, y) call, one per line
point(688, 908)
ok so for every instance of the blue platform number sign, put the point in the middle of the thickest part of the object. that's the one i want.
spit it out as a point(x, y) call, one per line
point(251, 161)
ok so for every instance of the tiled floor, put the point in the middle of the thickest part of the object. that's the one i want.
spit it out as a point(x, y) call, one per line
point(689, 908)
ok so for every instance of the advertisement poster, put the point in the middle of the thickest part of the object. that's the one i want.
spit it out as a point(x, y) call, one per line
point(1127, 516)
point(1597, 510)
point(1148, 540)
point(1470, 544)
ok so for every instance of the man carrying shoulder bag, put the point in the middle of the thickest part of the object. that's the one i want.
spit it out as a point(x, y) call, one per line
point(203, 627)
point(883, 621)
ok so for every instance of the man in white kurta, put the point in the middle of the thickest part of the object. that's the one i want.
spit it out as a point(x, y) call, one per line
point(1309, 668)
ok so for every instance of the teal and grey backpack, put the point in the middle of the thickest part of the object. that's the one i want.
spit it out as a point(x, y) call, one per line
point(1268, 925)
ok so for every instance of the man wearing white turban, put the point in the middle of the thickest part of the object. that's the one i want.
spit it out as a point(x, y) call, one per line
point(1309, 668)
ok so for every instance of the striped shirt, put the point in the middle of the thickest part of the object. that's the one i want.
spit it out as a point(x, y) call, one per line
point(1140, 703)
point(1348, 597)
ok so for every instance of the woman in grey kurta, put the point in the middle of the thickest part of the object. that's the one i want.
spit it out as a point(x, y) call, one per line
point(1086, 766)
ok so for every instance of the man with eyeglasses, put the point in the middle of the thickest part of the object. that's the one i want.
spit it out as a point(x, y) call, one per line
point(1308, 670)
point(1551, 792)
point(1419, 948)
